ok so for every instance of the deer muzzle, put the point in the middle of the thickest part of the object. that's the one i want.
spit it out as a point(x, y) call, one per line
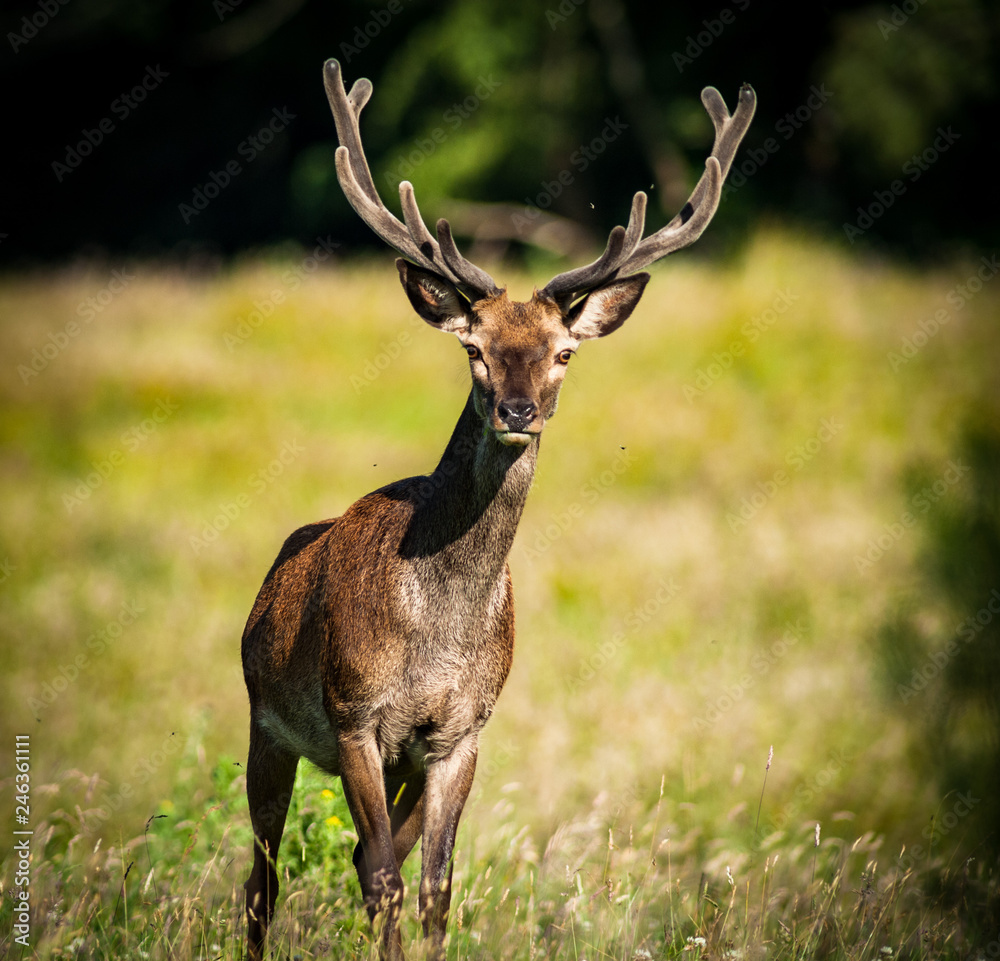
point(516, 420)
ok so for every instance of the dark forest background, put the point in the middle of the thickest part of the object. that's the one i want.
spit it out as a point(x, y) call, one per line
point(122, 118)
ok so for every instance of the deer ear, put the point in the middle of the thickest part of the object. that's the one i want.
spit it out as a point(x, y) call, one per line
point(434, 298)
point(606, 308)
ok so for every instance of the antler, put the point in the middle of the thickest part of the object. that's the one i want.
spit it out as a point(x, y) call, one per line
point(626, 252)
point(412, 238)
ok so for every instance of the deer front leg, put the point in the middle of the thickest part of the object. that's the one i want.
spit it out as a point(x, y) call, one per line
point(374, 859)
point(448, 784)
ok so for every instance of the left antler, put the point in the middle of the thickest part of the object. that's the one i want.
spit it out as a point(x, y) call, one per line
point(412, 239)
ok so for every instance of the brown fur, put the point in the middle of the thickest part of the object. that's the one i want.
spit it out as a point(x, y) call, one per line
point(380, 640)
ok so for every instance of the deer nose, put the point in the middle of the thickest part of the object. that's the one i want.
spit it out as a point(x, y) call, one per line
point(516, 414)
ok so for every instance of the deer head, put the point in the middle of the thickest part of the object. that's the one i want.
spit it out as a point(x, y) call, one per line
point(519, 351)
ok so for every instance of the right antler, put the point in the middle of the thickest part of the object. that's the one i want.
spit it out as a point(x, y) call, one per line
point(412, 239)
point(626, 252)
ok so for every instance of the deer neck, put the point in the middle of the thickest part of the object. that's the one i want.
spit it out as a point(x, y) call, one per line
point(468, 509)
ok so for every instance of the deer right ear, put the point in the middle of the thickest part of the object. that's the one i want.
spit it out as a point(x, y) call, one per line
point(434, 298)
point(605, 309)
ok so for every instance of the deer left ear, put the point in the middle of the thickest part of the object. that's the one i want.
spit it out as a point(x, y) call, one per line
point(434, 298)
point(606, 308)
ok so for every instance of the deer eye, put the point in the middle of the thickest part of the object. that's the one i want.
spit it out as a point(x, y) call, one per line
point(564, 356)
point(473, 351)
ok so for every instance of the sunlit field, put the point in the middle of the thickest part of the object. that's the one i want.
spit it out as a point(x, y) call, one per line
point(741, 538)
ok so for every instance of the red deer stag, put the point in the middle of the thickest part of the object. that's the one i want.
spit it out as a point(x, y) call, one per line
point(380, 640)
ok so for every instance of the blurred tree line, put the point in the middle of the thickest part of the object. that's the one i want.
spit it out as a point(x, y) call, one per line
point(939, 650)
point(181, 129)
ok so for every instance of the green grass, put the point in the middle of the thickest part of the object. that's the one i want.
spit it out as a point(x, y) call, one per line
point(695, 583)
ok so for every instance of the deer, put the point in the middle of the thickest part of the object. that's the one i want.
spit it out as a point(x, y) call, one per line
point(380, 639)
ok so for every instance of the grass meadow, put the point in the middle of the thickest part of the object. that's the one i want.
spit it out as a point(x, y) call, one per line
point(749, 531)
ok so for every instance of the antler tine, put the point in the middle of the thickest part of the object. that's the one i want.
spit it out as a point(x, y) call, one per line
point(729, 130)
point(697, 213)
point(621, 243)
point(563, 287)
point(686, 227)
point(347, 109)
point(636, 223)
point(412, 239)
point(693, 218)
point(418, 231)
point(469, 275)
point(722, 149)
point(374, 213)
